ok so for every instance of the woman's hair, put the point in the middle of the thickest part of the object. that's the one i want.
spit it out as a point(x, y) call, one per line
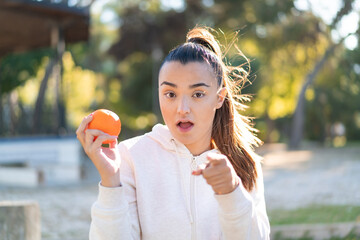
point(232, 133)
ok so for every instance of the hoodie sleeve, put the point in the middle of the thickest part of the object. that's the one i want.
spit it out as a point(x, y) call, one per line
point(114, 214)
point(243, 215)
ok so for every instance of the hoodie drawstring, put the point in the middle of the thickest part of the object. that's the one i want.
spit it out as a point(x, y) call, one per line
point(185, 195)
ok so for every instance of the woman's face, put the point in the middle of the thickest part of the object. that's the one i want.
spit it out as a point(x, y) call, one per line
point(188, 95)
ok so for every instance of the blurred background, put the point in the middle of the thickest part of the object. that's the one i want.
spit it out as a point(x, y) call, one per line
point(60, 60)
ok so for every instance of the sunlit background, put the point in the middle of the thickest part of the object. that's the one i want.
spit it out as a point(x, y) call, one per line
point(304, 83)
point(284, 41)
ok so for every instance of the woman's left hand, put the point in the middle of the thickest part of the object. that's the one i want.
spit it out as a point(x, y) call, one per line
point(219, 174)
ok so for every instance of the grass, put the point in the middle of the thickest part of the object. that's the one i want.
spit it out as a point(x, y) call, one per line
point(315, 214)
point(350, 236)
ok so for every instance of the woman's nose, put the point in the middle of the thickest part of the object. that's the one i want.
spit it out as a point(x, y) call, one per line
point(183, 106)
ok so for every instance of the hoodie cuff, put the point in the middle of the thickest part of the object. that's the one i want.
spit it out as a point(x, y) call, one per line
point(111, 197)
point(237, 202)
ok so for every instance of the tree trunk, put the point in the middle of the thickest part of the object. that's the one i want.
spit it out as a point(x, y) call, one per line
point(269, 127)
point(156, 55)
point(40, 98)
point(299, 115)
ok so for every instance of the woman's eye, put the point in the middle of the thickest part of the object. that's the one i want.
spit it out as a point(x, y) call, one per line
point(170, 94)
point(198, 95)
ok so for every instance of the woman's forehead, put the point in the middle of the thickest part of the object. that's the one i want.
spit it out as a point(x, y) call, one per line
point(186, 74)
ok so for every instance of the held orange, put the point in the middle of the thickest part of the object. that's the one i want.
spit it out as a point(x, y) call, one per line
point(106, 121)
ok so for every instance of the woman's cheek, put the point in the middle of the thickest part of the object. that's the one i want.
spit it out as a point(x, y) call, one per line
point(166, 110)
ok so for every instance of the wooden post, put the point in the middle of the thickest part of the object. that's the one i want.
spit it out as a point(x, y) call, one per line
point(20, 220)
point(2, 130)
point(59, 108)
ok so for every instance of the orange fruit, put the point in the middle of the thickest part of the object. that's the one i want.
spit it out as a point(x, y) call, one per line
point(106, 121)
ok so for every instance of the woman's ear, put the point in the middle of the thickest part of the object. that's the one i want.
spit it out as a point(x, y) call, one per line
point(221, 97)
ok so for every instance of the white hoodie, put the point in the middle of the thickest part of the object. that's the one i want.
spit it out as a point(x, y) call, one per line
point(161, 200)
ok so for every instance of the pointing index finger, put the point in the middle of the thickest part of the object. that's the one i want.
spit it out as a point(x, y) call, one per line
point(215, 158)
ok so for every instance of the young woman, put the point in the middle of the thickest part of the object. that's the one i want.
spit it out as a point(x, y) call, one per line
point(197, 176)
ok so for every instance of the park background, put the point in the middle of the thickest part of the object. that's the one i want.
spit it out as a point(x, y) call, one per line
point(304, 85)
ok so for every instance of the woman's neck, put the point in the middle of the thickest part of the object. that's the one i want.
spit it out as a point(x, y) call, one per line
point(197, 149)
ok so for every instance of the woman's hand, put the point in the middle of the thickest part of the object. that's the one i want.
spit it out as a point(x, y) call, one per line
point(219, 174)
point(106, 160)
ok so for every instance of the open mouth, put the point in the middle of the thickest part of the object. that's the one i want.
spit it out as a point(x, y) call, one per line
point(185, 126)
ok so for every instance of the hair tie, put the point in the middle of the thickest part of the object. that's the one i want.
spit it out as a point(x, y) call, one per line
point(202, 42)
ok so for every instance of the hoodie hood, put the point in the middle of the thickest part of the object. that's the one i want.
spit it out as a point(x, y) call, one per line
point(161, 134)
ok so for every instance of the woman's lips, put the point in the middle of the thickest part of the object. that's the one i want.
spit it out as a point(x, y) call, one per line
point(185, 126)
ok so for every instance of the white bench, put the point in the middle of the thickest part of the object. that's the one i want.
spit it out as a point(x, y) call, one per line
point(33, 161)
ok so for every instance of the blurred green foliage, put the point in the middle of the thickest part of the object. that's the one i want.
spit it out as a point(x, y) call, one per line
point(16, 69)
point(118, 67)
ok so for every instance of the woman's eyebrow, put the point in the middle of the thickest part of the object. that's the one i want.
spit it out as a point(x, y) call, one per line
point(168, 83)
point(199, 85)
point(191, 86)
